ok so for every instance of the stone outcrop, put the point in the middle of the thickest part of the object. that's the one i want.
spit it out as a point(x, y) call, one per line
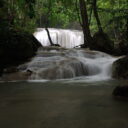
point(102, 43)
point(120, 71)
point(120, 68)
point(16, 47)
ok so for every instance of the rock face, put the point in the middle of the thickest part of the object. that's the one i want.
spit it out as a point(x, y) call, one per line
point(120, 71)
point(16, 76)
point(16, 47)
point(120, 68)
point(102, 43)
point(123, 46)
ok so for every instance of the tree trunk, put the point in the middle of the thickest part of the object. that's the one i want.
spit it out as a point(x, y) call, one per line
point(85, 24)
point(96, 16)
point(47, 23)
point(49, 37)
point(127, 28)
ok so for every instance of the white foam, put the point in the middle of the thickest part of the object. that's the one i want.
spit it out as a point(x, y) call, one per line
point(72, 64)
point(65, 38)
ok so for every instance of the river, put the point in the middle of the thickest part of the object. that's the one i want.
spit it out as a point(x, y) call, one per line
point(66, 88)
point(56, 104)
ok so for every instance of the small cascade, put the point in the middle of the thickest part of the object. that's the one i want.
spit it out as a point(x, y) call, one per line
point(59, 63)
point(53, 63)
point(65, 38)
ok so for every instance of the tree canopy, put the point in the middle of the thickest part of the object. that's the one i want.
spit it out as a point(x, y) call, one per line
point(29, 14)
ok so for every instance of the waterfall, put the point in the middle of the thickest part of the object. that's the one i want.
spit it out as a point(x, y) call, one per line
point(59, 63)
point(53, 63)
point(65, 38)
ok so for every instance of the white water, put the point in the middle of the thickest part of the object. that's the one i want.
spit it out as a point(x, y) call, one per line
point(52, 63)
point(65, 38)
point(71, 64)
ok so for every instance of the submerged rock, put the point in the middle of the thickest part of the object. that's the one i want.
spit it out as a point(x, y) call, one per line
point(120, 68)
point(121, 91)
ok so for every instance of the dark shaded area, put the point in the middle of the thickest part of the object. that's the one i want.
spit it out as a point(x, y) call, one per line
point(123, 46)
point(16, 47)
point(102, 43)
point(121, 92)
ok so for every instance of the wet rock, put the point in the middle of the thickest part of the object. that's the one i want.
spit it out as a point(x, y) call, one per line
point(29, 72)
point(102, 43)
point(57, 45)
point(123, 46)
point(10, 70)
point(48, 48)
point(121, 91)
point(120, 68)
point(117, 51)
point(16, 47)
point(16, 76)
point(67, 68)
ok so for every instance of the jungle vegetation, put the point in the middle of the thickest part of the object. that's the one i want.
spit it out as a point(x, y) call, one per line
point(109, 16)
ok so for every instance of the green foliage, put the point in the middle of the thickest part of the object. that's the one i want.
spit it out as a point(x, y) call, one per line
point(26, 15)
point(17, 15)
point(56, 13)
point(113, 15)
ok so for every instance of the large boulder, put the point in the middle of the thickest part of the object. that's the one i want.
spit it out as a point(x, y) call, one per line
point(16, 47)
point(120, 68)
point(102, 43)
point(123, 46)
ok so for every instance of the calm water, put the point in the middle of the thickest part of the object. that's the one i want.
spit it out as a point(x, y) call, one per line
point(78, 100)
point(61, 104)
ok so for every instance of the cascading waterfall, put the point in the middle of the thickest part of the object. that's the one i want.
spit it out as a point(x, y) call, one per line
point(53, 63)
point(65, 38)
point(58, 63)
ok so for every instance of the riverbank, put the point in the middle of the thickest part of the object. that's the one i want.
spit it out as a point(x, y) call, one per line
point(61, 105)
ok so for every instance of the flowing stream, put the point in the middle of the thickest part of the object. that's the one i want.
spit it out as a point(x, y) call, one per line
point(70, 64)
point(54, 63)
point(64, 63)
point(77, 92)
